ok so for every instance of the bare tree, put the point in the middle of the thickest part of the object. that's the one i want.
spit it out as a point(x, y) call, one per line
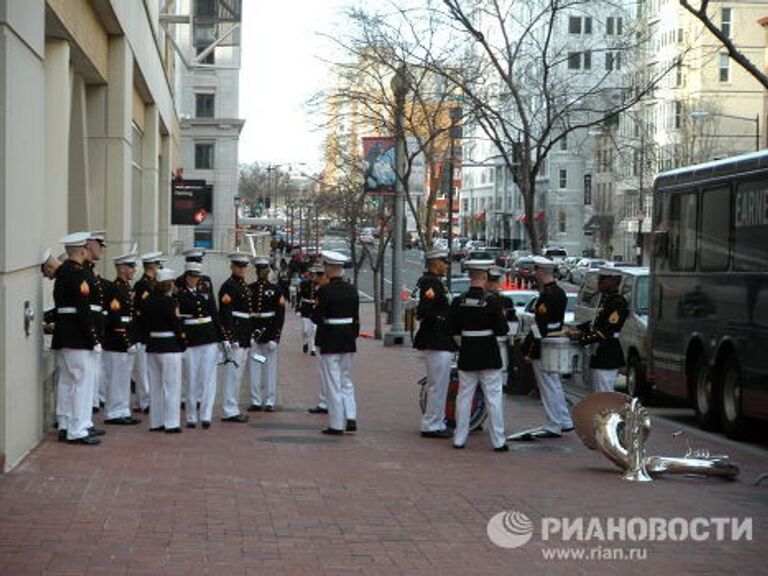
point(261, 180)
point(700, 13)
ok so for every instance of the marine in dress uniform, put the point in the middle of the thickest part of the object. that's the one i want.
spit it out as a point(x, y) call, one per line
point(268, 319)
point(603, 332)
point(306, 305)
point(77, 344)
point(478, 319)
point(495, 274)
point(319, 280)
point(434, 342)
point(550, 313)
point(119, 343)
point(95, 246)
point(337, 316)
point(142, 290)
point(235, 313)
point(197, 308)
point(165, 345)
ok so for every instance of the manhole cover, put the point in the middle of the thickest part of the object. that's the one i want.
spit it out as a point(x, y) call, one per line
point(540, 448)
point(298, 440)
point(285, 426)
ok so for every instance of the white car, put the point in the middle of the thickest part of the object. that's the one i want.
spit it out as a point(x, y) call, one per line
point(586, 264)
point(520, 298)
point(526, 316)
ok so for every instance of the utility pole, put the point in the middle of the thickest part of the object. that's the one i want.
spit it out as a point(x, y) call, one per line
point(397, 334)
point(454, 133)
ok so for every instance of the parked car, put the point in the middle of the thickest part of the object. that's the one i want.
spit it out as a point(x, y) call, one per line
point(634, 286)
point(459, 285)
point(566, 265)
point(554, 253)
point(520, 298)
point(523, 271)
point(526, 316)
point(585, 264)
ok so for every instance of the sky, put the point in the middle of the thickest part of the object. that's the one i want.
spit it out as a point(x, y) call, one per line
point(280, 70)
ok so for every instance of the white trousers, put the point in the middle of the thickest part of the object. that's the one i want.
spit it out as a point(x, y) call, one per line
point(604, 380)
point(141, 377)
point(186, 363)
point(322, 397)
point(232, 376)
point(340, 389)
point(202, 381)
point(164, 371)
point(118, 367)
point(76, 381)
point(308, 329)
point(553, 398)
point(491, 383)
point(263, 377)
point(438, 378)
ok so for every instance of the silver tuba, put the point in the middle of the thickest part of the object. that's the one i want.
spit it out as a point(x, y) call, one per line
point(618, 426)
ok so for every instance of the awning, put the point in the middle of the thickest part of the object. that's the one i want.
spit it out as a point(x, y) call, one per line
point(523, 217)
point(599, 222)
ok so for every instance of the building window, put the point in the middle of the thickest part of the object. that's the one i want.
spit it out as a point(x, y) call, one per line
point(204, 105)
point(679, 35)
point(678, 114)
point(587, 60)
point(579, 25)
point(678, 74)
point(612, 61)
point(726, 23)
point(204, 156)
point(574, 60)
point(209, 58)
point(561, 221)
point(725, 68)
point(587, 189)
point(614, 25)
point(205, 8)
point(563, 178)
point(564, 142)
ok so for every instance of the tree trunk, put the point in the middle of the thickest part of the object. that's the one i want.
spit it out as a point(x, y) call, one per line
point(376, 304)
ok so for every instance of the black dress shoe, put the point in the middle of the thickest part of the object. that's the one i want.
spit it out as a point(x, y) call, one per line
point(333, 432)
point(239, 418)
point(183, 405)
point(130, 420)
point(437, 434)
point(206, 424)
point(313, 353)
point(569, 429)
point(95, 410)
point(269, 408)
point(122, 421)
point(96, 431)
point(543, 433)
point(254, 408)
point(191, 424)
point(176, 430)
point(62, 435)
point(351, 425)
point(318, 410)
point(145, 410)
point(458, 446)
point(88, 441)
point(158, 429)
point(305, 348)
point(503, 448)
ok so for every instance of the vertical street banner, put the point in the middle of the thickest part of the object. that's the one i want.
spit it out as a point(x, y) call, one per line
point(379, 155)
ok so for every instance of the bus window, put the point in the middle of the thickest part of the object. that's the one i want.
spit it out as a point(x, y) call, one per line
point(682, 232)
point(715, 229)
point(750, 245)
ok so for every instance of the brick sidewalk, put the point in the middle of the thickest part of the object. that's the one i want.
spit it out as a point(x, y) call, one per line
point(276, 497)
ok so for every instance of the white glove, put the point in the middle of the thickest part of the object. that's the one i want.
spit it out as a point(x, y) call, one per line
point(227, 347)
point(98, 349)
point(254, 342)
point(132, 349)
point(235, 346)
point(272, 346)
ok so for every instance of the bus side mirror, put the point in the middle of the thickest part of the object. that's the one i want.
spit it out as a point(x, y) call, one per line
point(661, 244)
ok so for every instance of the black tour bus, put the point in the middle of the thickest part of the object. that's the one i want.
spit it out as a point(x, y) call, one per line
point(709, 290)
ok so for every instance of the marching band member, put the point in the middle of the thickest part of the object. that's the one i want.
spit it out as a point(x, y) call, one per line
point(603, 332)
point(319, 280)
point(94, 248)
point(479, 319)
point(434, 342)
point(338, 326)
point(77, 343)
point(493, 288)
point(235, 312)
point(165, 345)
point(269, 316)
point(119, 343)
point(197, 308)
point(151, 262)
point(550, 312)
point(306, 304)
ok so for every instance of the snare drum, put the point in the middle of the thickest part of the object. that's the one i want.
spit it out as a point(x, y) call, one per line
point(560, 355)
point(478, 412)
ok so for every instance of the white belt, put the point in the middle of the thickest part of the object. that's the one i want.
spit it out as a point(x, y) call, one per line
point(241, 314)
point(501, 338)
point(67, 310)
point(263, 314)
point(553, 326)
point(307, 301)
point(476, 333)
point(95, 307)
point(162, 334)
point(339, 321)
point(125, 319)
point(194, 321)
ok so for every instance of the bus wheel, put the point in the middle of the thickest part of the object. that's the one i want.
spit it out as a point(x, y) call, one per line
point(637, 384)
point(704, 396)
point(735, 424)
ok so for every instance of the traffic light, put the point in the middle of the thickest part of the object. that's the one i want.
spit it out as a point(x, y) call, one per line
point(267, 203)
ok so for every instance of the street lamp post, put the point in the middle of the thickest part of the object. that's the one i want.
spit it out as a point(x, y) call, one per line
point(397, 334)
point(702, 114)
point(238, 203)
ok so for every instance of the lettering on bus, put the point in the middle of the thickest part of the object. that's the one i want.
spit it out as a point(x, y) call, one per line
point(751, 208)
